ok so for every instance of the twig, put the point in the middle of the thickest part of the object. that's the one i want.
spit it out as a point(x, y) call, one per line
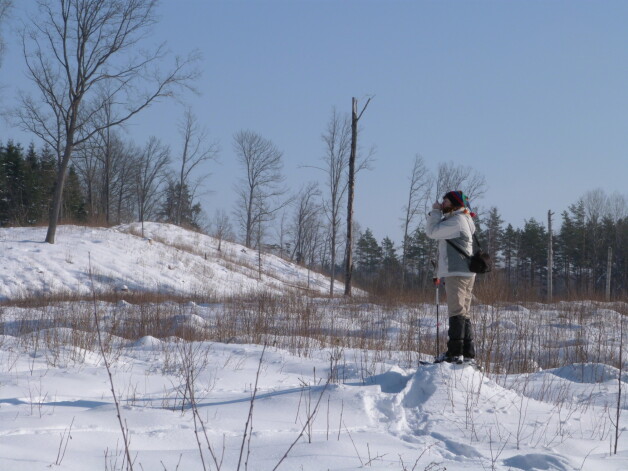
point(252, 403)
point(108, 368)
point(60, 453)
point(307, 423)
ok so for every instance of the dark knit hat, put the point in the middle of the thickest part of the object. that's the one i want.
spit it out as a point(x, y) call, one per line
point(457, 198)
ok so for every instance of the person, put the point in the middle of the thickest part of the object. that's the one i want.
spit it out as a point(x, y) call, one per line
point(451, 222)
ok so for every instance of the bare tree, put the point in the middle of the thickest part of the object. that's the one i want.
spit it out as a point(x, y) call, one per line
point(617, 206)
point(453, 177)
point(151, 174)
point(355, 118)
point(196, 151)
point(221, 227)
point(71, 48)
point(337, 138)
point(105, 165)
point(596, 205)
point(5, 7)
point(261, 183)
point(305, 225)
point(417, 196)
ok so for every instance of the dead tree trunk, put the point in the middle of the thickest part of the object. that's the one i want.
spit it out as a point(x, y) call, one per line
point(550, 258)
point(609, 267)
point(355, 117)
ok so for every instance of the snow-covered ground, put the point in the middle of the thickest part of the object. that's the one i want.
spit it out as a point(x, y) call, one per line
point(327, 405)
point(164, 258)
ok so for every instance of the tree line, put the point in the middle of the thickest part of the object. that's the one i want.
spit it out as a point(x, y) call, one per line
point(120, 183)
point(590, 253)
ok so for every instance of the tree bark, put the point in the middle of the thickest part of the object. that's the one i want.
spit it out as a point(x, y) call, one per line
point(355, 117)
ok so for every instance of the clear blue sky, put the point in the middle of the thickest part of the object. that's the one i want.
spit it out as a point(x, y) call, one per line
point(531, 94)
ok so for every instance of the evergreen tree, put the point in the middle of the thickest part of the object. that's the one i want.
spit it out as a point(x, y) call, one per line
point(390, 261)
point(12, 191)
point(510, 244)
point(533, 252)
point(421, 252)
point(494, 235)
point(368, 254)
point(572, 247)
point(187, 212)
point(74, 207)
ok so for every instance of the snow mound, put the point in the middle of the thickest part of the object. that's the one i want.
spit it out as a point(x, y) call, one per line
point(537, 461)
point(147, 341)
point(587, 373)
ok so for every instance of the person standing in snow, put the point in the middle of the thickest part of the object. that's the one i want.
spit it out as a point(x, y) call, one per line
point(450, 222)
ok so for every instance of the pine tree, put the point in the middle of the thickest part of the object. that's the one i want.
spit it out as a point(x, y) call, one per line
point(421, 251)
point(532, 253)
point(368, 254)
point(494, 235)
point(187, 211)
point(572, 247)
point(13, 191)
point(510, 243)
point(74, 207)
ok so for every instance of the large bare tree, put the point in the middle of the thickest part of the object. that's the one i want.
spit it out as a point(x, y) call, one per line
point(337, 139)
point(261, 184)
point(76, 48)
point(197, 150)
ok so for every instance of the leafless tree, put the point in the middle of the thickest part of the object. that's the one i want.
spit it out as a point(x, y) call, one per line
point(261, 183)
point(453, 177)
point(305, 226)
point(72, 48)
point(89, 170)
point(5, 7)
point(337, 139)
point(105, 165)
point(151, 174)
point(355, 118)
point(197, 150)
point(617, 206)
point(221, 229)
point(596, 205)
point(417, 197)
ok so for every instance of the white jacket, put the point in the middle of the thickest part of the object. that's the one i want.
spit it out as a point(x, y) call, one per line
point(457, 226)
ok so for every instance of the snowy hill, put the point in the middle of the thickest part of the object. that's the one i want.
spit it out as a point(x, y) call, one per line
point(167, 259)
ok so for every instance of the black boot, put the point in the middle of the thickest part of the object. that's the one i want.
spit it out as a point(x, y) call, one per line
point(456, 335)
point(468, 349)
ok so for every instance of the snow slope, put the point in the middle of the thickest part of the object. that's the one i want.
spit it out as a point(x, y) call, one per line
point(167, 259)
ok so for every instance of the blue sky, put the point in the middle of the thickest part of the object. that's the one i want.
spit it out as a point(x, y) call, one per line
point(533, 95)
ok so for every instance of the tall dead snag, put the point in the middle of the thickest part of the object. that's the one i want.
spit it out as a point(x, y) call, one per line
point(73, 50)
point(355, 117)
point(550, 258)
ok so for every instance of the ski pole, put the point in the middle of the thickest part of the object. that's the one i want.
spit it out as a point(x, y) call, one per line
point(436, 282)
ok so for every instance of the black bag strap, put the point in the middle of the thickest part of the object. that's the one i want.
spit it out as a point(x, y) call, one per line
point(477, 241)
point(462, 252)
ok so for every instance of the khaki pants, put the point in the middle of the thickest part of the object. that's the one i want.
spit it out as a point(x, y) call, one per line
point(459, 291)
